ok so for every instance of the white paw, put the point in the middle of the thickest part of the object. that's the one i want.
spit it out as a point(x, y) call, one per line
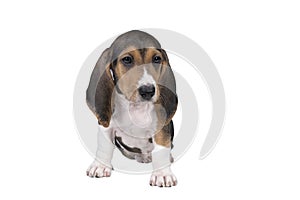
point(163, 178)
point(98, 170)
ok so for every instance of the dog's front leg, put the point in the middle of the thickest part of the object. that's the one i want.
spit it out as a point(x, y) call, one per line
point(101, 167)
point(162, 175)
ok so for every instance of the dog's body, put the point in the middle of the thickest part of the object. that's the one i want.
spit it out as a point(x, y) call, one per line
point(132, 92)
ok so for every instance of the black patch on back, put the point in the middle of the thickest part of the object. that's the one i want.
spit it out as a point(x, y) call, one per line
point(121, 146)
point(169, 129)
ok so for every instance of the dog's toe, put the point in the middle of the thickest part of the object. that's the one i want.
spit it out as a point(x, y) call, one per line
point(91, 171)
point(169, 181)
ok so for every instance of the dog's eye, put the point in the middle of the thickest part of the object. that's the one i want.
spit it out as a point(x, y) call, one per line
point(127, 60)
point(156, 59)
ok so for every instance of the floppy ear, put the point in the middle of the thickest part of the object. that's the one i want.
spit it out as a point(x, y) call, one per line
point(167, 90)
point(99, 91)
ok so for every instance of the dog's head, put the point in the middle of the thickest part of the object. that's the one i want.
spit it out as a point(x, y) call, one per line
point(137, 67)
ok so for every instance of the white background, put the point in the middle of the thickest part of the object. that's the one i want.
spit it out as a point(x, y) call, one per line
point(255, 46)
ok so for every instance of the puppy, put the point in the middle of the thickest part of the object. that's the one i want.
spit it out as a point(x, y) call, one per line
point(132, 92)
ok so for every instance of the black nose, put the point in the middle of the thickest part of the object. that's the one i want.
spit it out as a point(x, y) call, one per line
point(147, 91)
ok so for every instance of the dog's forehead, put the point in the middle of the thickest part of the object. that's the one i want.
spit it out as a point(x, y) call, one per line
point(136, 39)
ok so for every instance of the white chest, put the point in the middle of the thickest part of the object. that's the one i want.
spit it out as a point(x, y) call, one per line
point(135, 124)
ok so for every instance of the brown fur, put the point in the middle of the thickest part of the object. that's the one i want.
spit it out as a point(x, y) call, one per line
point(165, 135)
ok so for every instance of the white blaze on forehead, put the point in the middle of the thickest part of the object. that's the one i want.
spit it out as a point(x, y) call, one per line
point(146, 79)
